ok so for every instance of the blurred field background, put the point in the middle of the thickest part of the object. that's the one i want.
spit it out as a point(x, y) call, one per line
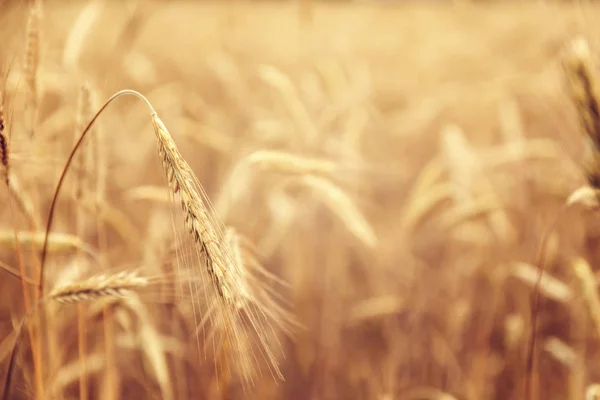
point(447, 133)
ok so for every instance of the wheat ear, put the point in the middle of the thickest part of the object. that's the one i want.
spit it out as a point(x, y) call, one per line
point(32, 61)
point(199, 220)
point(289, 163)
point(117, 285)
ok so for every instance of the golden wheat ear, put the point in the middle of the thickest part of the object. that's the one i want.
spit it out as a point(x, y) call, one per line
point(238, 312)
point(120, 284)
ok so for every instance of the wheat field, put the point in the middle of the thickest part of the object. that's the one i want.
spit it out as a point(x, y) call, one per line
point(299, 200)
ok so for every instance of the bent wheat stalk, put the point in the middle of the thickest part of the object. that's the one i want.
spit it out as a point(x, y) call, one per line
point(212, 251)
point(63, 175)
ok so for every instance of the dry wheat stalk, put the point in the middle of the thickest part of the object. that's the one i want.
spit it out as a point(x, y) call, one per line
point(81, 164)
point(588, 285)
point(118, 285)
point(100, 154)
point(81, 161)
point(153, 346)
point(72, 372)
point(23, 201)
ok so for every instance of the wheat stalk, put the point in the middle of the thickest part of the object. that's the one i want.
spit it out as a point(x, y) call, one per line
point(588, 285)
point(83, 161)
